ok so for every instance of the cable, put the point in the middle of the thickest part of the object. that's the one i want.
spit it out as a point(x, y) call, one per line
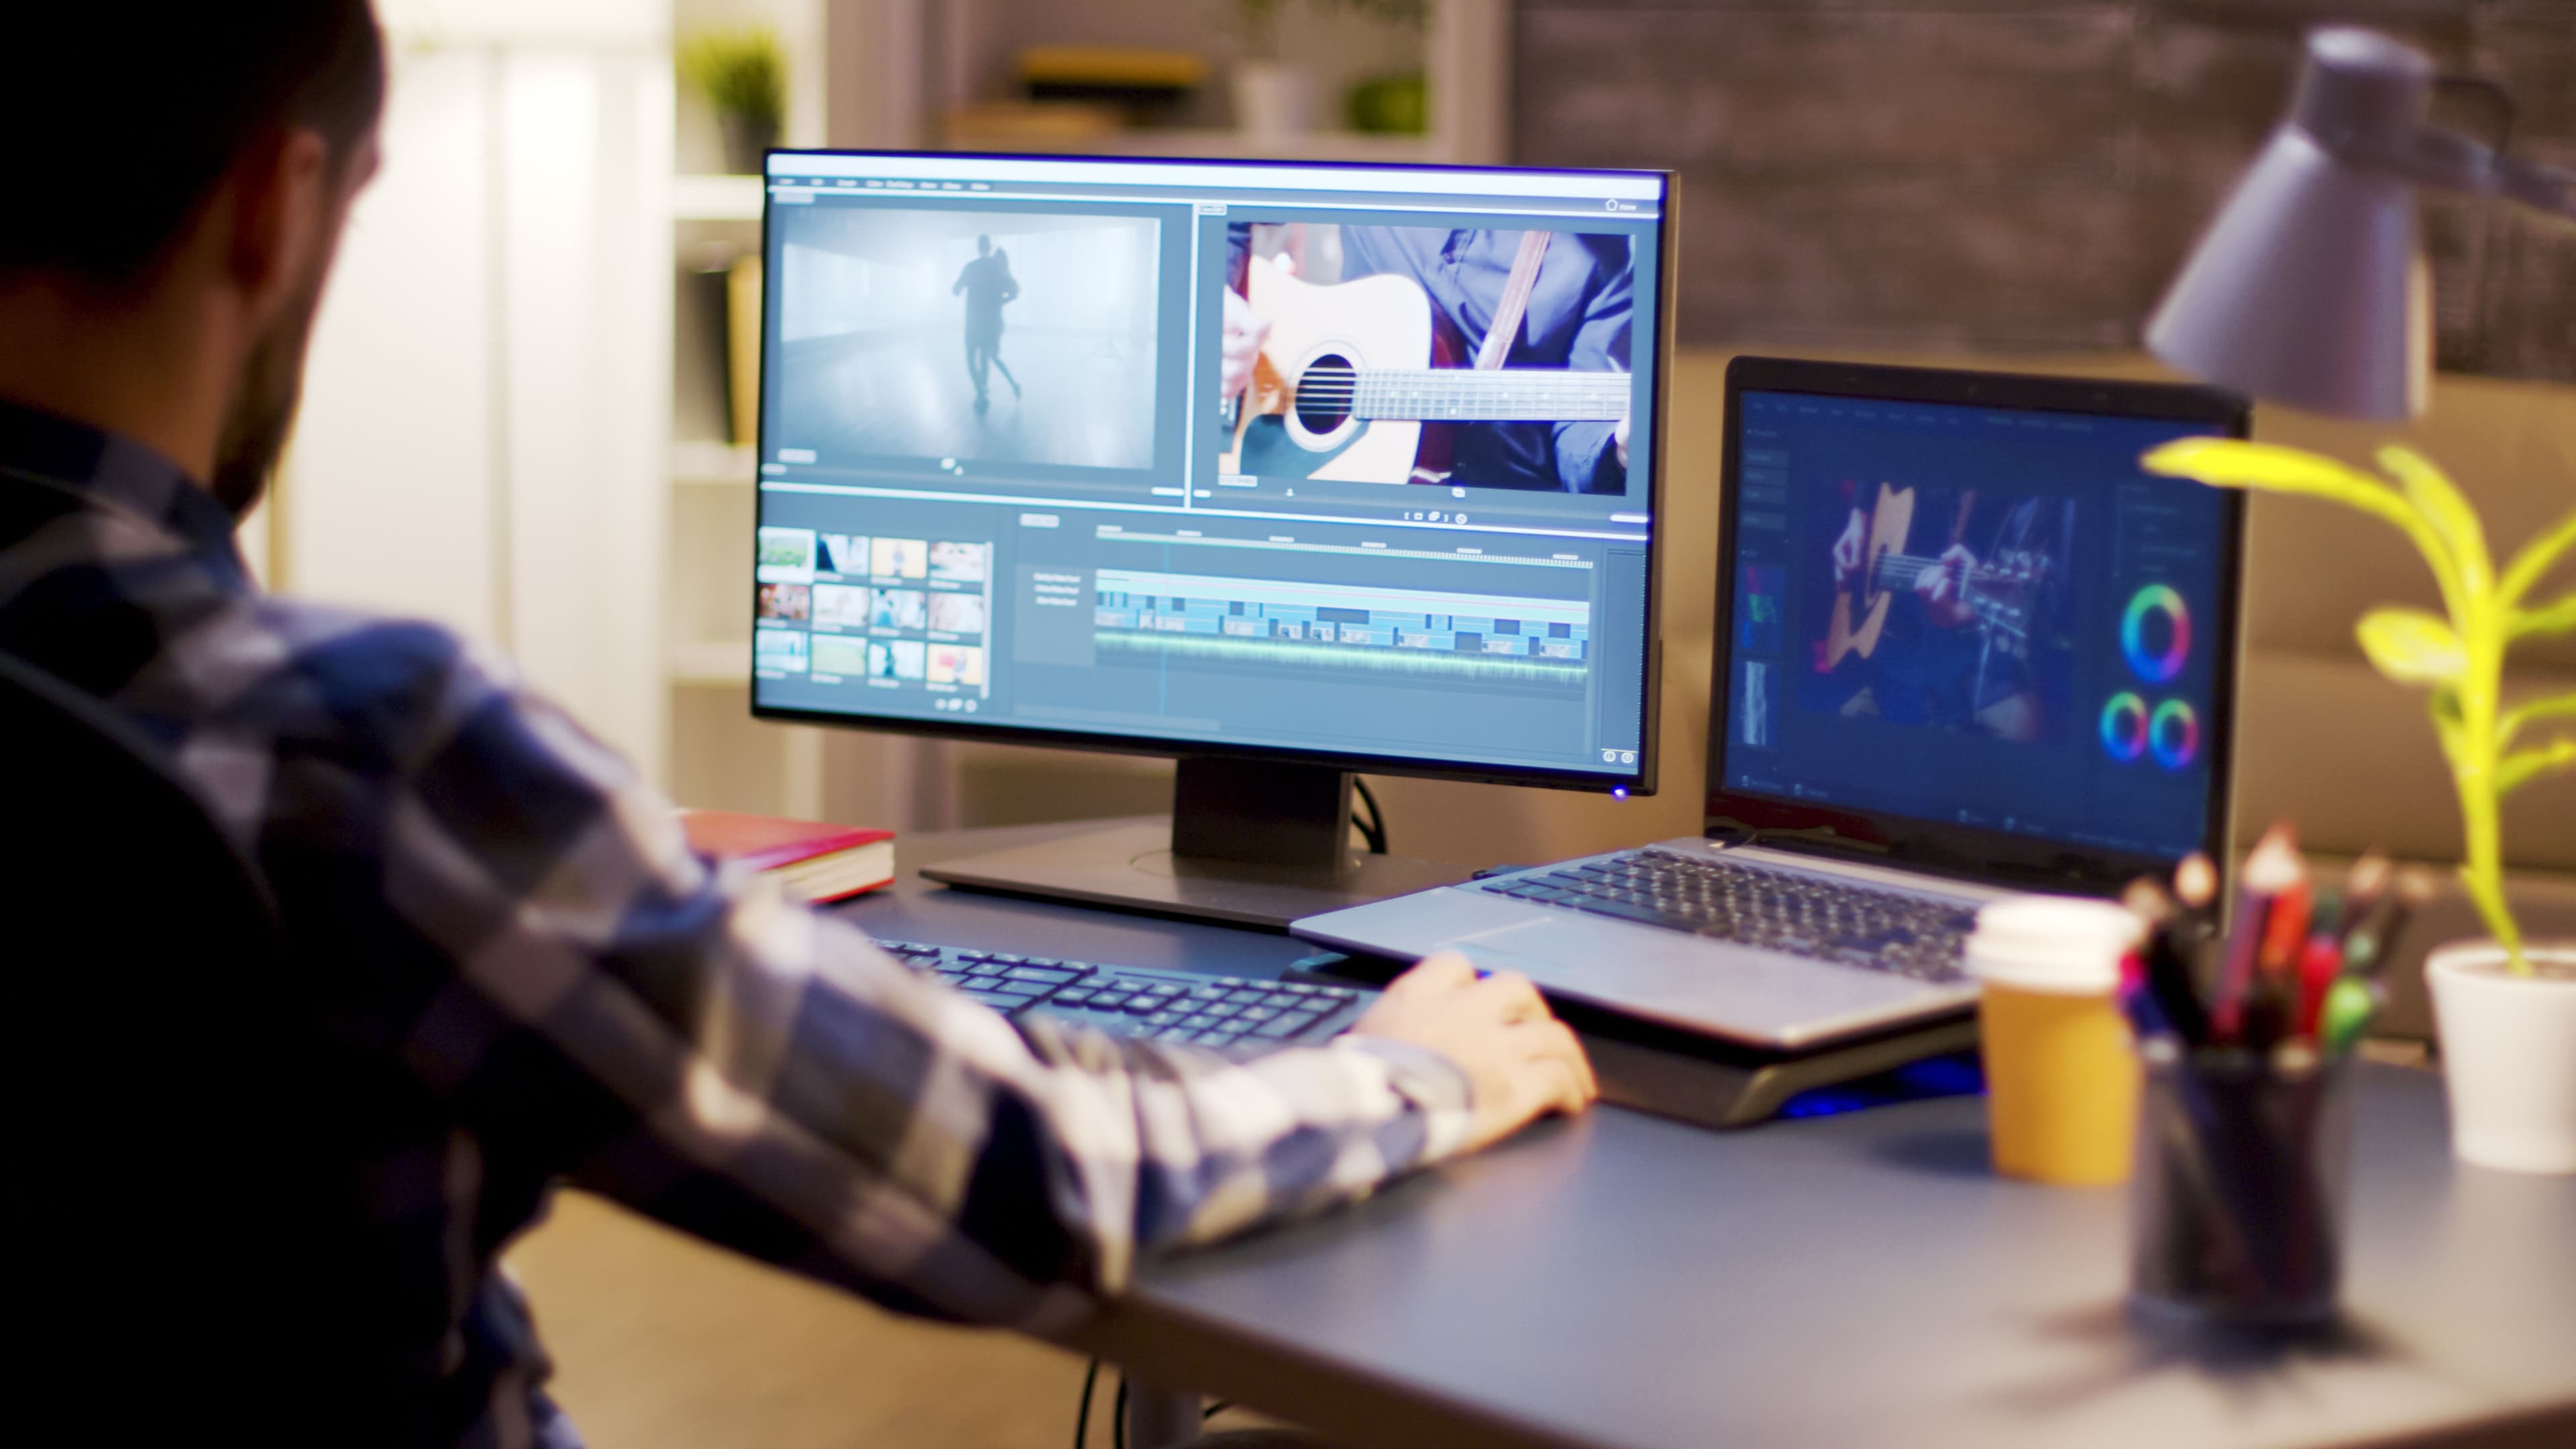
point(1373, 829)
point(1082, 1416)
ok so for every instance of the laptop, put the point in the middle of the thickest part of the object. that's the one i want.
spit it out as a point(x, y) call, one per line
point(1965, 648)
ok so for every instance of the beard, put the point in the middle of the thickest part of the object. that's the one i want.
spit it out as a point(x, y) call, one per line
point(262, 413)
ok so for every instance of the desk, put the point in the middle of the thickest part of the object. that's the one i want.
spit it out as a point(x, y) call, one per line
point(1850, 1281)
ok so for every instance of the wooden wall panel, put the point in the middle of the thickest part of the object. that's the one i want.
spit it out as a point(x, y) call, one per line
point(2013, 174)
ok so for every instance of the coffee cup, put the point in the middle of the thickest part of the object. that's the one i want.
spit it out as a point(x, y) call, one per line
point(2062, 1075)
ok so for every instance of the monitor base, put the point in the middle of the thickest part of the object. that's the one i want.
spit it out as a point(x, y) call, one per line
point(1134, 868)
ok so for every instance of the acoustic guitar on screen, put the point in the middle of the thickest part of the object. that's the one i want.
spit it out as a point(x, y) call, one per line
point(1996, 591)
point(1348, 379)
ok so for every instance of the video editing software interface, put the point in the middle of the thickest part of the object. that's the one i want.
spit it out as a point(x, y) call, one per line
point(1341, 460)
point(1981, 616)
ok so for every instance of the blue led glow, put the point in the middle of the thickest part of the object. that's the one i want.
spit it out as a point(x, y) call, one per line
point(1956, 1075)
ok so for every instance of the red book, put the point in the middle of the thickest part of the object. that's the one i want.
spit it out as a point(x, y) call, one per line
point(815, 861)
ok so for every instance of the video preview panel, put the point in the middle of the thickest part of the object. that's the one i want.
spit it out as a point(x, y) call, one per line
point(1381, 354)
point(968, 336)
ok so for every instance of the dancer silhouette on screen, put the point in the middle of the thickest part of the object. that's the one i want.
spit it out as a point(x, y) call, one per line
point(987, 284)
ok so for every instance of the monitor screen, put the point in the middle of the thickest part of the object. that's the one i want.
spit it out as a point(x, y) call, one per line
point(1977, 616)
point(1346, 463)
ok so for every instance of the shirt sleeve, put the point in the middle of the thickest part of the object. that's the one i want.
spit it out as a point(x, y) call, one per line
point(687, 1041)
point(1587, 456)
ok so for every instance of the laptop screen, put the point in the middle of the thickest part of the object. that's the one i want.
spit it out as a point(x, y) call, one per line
point(1977, 616)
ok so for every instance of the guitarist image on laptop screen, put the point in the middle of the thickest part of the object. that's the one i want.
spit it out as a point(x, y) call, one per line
point(1392, 354)
point(1947, 610)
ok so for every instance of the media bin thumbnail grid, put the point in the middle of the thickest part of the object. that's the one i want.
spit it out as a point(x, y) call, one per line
point(884, 611)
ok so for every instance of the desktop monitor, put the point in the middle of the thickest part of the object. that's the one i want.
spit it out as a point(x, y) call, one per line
point(1287, 470)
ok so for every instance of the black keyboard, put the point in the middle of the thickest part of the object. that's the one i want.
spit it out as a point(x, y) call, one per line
point(1236, 1014)
point(1801, 915)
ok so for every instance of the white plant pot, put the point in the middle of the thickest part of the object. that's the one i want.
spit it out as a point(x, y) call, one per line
point(1274, 101)
point(2508, 1053)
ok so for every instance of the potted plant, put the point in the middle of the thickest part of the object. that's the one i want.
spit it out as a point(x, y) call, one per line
point(1274, 99)
point(2504, 1007)
point(743, 75)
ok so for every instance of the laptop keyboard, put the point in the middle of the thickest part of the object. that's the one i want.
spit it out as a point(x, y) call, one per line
point(1240, 1015)
point(1801, 915)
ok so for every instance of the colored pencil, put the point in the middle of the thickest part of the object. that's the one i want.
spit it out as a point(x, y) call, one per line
point(2271, 869)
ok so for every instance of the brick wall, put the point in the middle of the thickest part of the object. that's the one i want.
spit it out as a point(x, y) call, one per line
point(2013, 174)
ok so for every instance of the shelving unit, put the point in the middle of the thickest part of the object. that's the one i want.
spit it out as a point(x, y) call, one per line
point(720, 756)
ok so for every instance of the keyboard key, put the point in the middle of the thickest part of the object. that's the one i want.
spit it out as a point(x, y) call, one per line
point(1033, 973)
point(1645, 914)
point(1285, 1025)
point(1030, 990)
point(1074, 997)
point(1257, 1013)
point(1109, 1000)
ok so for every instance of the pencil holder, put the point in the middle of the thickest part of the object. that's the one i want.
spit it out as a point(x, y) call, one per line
point(2239, 1195)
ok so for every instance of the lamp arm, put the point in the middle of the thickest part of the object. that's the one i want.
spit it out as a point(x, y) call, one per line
point(2543, 188)
point(2439, 156)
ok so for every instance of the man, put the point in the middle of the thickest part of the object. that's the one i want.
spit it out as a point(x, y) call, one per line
point(1580, 307)
point(988, 285)
point(514, 971)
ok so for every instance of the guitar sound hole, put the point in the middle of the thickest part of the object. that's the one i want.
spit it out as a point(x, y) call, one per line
point(1324, 392)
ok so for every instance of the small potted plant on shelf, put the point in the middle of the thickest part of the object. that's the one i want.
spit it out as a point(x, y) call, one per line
point(743, 75)
point(1275, 99)
point(2504, 1007)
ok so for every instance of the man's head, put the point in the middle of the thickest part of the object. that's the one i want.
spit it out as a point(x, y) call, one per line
point(983, 246)
point(193, 163)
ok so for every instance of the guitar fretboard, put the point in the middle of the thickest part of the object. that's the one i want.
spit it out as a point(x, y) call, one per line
point(1464, 395)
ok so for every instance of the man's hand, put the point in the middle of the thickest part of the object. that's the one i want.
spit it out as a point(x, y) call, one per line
point(1521, 1062)
point(1239, 345)
point(1847, 550)
point(1619, 436)
point(1943, 585)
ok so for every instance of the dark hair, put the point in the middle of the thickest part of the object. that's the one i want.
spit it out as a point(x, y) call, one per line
point(118, 119)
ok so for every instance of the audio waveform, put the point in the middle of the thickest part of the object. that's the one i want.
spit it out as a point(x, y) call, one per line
point(1421, 663)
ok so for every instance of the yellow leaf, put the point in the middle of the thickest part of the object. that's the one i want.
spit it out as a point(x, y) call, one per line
point(2536, 557)
point(2438, 499)
point(2234, 463)
point(2411, 646)
point(2558, 616)
point(2522, 765)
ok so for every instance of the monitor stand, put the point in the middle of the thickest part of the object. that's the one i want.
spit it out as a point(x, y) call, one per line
point(1250, 843)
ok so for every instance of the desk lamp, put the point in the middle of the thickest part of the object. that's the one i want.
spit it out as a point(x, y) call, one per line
point(2309, 289)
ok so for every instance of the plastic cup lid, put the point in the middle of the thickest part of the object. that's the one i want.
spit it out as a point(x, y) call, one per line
point(2058, 944)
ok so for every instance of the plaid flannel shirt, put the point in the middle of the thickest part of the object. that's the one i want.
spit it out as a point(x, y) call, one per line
point(567, 993)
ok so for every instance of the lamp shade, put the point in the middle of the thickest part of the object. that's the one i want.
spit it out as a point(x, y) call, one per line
point(2309, 288)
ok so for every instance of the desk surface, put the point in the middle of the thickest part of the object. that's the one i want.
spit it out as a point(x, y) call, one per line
point(1854, 1280)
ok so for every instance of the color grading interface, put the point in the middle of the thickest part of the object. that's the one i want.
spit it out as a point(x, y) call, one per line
point(1345, 460)
point(1975, 615)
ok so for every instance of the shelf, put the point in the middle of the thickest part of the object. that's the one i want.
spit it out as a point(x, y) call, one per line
point(711, 662)
point(706, 463)
point(1222, 144)
point(716, 198)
